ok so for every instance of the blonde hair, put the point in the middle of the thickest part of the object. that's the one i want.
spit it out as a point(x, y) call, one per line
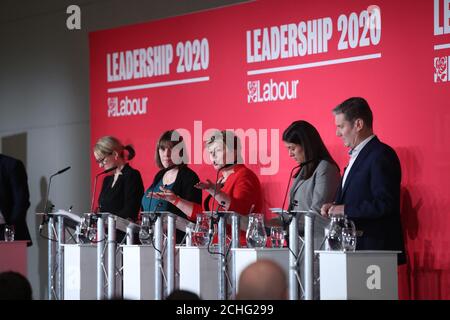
point(108, 144)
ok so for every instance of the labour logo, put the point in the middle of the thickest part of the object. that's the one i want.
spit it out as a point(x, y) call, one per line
point(113, 106)
point(441, 73)
point(253, 87)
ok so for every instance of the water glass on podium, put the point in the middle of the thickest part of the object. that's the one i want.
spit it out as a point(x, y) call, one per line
point(145, 233)
point(256, 233)
point(348, 236)
point(9, 232)
point(200, 234)
point(277, 235)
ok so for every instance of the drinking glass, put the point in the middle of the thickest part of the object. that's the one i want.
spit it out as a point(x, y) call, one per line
point(200, 234)
point(92, 228)
point(334, 234)
point(9, 232)
point(277, 237)
point(145, 233)
point(349, 236)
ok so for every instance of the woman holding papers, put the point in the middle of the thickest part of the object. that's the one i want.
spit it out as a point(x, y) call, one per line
point(174, 177)
point(236, 188)
point(317, 179)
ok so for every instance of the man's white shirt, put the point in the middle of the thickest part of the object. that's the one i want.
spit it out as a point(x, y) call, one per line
point(353, 155)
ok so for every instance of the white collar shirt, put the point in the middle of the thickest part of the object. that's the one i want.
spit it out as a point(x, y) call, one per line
point(353, 155)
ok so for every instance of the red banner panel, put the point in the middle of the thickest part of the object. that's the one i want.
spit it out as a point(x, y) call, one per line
point(255, 68)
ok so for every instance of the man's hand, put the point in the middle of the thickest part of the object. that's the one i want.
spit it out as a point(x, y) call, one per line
point(329, 209)
point(325, 208)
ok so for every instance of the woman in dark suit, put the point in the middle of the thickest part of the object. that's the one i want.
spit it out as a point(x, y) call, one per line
point(174, 175)
point(122, 191)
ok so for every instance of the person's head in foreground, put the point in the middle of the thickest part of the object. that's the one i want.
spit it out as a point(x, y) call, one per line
point(262, 280)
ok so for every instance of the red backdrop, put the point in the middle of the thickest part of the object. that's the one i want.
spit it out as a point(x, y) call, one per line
point(311, 56)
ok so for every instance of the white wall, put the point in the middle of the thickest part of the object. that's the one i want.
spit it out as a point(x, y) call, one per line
point(44, 94)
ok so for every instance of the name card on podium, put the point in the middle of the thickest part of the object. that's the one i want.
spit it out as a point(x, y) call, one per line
point(138, 272)
point(199, 271)
point(80, 271)
point(359, 275)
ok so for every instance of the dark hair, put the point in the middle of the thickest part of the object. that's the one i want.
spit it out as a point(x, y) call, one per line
point(131, 152)
point(179, 294)
point(170, 139)
point(14, 286)
point(304, 134)
point(355, 108)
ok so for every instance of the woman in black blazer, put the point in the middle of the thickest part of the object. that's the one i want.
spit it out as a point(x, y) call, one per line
point(122, 191)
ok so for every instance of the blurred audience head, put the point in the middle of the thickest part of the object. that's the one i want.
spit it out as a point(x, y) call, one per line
point(182, 295)
point(262, 280)
point(14, 286)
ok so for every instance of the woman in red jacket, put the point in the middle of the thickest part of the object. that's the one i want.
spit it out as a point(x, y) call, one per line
point(238, 188)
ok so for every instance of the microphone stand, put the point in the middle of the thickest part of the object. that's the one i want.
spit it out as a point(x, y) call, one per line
point(152, 222)
point(293, 241)
point(287, 187)
point(54, 280)
point(95, 185)
point(45, 217)
point(293, 202)
point(211, 221)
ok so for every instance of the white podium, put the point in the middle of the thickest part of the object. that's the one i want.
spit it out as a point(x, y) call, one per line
point(138, 272)
point(246, 256)
point(13, 256)
point(80, 272)
point(359, 275)
point(199, 271)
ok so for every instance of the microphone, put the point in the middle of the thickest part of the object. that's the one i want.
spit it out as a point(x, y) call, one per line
point(62, 171)
point(215, 185)
point(301, 165)
point(44, 218)
point(150, 201)
point(212, 222)
point(95, 184)
point(152, 222)
point(211, 228)
point(159, 205)
point(107, 171)
point(287, 187)
point(294, 202)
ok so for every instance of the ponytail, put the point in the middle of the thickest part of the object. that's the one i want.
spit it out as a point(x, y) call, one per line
point(131, 152)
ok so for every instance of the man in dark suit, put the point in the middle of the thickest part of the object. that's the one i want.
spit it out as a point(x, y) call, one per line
point(370, 190)
point(14, 197)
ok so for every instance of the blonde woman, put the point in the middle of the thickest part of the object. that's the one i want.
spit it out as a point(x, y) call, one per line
point(121, 191)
